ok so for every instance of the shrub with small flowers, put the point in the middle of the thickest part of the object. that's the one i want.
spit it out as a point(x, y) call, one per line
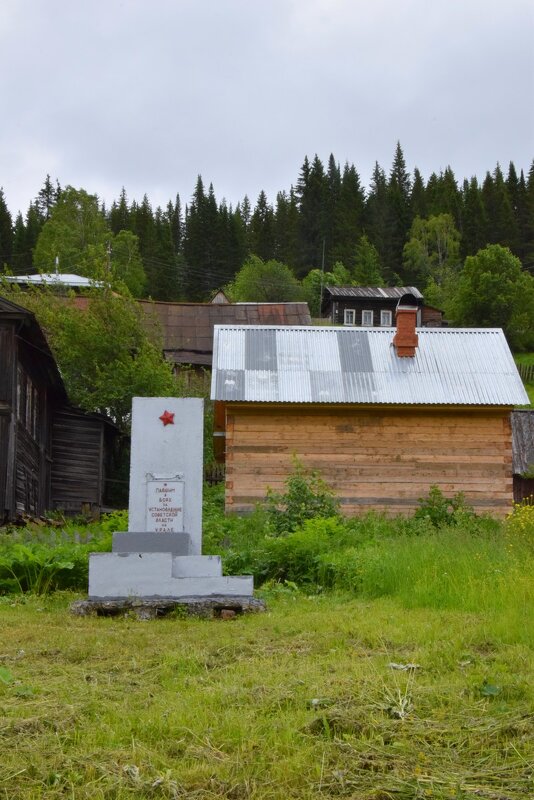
point(519, 525)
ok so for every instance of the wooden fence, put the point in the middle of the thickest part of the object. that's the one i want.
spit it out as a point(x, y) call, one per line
point(214, 473)
point(527, 372)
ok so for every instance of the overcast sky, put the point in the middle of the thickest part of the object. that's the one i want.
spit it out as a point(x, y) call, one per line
point(147, 94)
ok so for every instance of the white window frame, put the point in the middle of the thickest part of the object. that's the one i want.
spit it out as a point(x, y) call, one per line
point(349, 316)
point(388, 315)
point(364, 323)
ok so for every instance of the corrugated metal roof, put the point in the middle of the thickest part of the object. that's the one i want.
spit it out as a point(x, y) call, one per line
point(55, 278)
point(468, 366)
point(373, 291)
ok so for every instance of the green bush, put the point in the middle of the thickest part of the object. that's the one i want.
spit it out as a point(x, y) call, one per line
point(441, 510)
point(307, 496)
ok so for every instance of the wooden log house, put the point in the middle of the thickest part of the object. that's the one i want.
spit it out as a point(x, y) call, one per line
point(383, 414)
point(374, 306)
point(51, 455)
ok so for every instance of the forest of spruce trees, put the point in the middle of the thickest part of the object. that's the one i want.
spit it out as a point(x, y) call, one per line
point(186, 251)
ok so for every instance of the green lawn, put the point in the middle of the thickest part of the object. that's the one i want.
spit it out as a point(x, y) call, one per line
point(298, 702)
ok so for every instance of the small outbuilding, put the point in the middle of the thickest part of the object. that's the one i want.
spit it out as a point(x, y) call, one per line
point(382, 413)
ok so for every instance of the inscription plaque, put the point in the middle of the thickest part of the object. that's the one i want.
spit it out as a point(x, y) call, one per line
point(165, 506)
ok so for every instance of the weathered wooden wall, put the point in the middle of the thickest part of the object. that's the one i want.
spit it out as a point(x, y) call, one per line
point(382, 459)
point(7, 355)
point(77, 461)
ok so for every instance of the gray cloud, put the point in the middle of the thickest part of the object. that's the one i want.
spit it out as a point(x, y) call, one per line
point(108, 93)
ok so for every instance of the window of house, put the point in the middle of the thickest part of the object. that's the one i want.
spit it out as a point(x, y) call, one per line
point(21, 395)
point(349, 316)
point(27, 402)
point(367, 318)
point(385, 318)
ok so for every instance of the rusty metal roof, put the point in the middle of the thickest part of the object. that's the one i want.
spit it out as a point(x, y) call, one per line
point(187, 328)
point(347, 365)
point(380, 292)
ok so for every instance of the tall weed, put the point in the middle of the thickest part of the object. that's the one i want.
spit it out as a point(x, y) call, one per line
point(42, 559)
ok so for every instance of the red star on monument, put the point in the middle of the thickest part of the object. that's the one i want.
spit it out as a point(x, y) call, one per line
point(167, 418)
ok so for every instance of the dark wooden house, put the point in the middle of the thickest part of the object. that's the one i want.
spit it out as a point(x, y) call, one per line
point(51, 455)
point(374, 306)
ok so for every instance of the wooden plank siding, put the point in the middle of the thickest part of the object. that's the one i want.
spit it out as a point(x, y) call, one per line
point(383, 459)
point(30, 493)
point(77, 461)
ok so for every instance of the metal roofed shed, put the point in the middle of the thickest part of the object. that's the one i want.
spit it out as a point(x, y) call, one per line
point(346, 365)
point(69, 280)
point(382, 423)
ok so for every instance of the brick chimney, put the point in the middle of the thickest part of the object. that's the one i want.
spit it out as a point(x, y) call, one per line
point(406, 339)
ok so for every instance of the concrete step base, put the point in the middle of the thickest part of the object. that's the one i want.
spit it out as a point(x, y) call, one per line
point(161, 575)
point(215, 607)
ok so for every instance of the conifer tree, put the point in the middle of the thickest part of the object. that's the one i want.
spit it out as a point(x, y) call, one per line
point(349, 217)
point(474, 220)
point(47, 198)
point(399, 216)
point(6, 232)
point(418, 202)
point(286, 229)
point(331, 207)
point(233, 238)
point(524, 219)
point(529, 226)
point(203, 268)
point(21, 259)
point(311, 193)
point(262, 229)
point(119, 215)
point(367, 270)
point(164, 283)
point(501, 226)
point(376, 216)
point(174, 214)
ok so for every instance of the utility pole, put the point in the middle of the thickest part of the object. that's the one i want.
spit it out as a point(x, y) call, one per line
point(322, 281)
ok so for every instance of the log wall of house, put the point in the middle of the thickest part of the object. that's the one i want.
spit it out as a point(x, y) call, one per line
point(77, 461)
point(382, 459)
point(7, 355)
point(31, 484)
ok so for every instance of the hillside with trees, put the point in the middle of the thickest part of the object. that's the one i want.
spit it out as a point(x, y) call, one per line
point(401, 230)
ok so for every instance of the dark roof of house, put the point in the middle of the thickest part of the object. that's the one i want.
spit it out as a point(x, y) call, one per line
point(379, 292)
point(522, 440)
point(188, 327)
point(451, 366)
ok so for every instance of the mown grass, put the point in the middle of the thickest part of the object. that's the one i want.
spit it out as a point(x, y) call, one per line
point(395, 661)
point(299, 702)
